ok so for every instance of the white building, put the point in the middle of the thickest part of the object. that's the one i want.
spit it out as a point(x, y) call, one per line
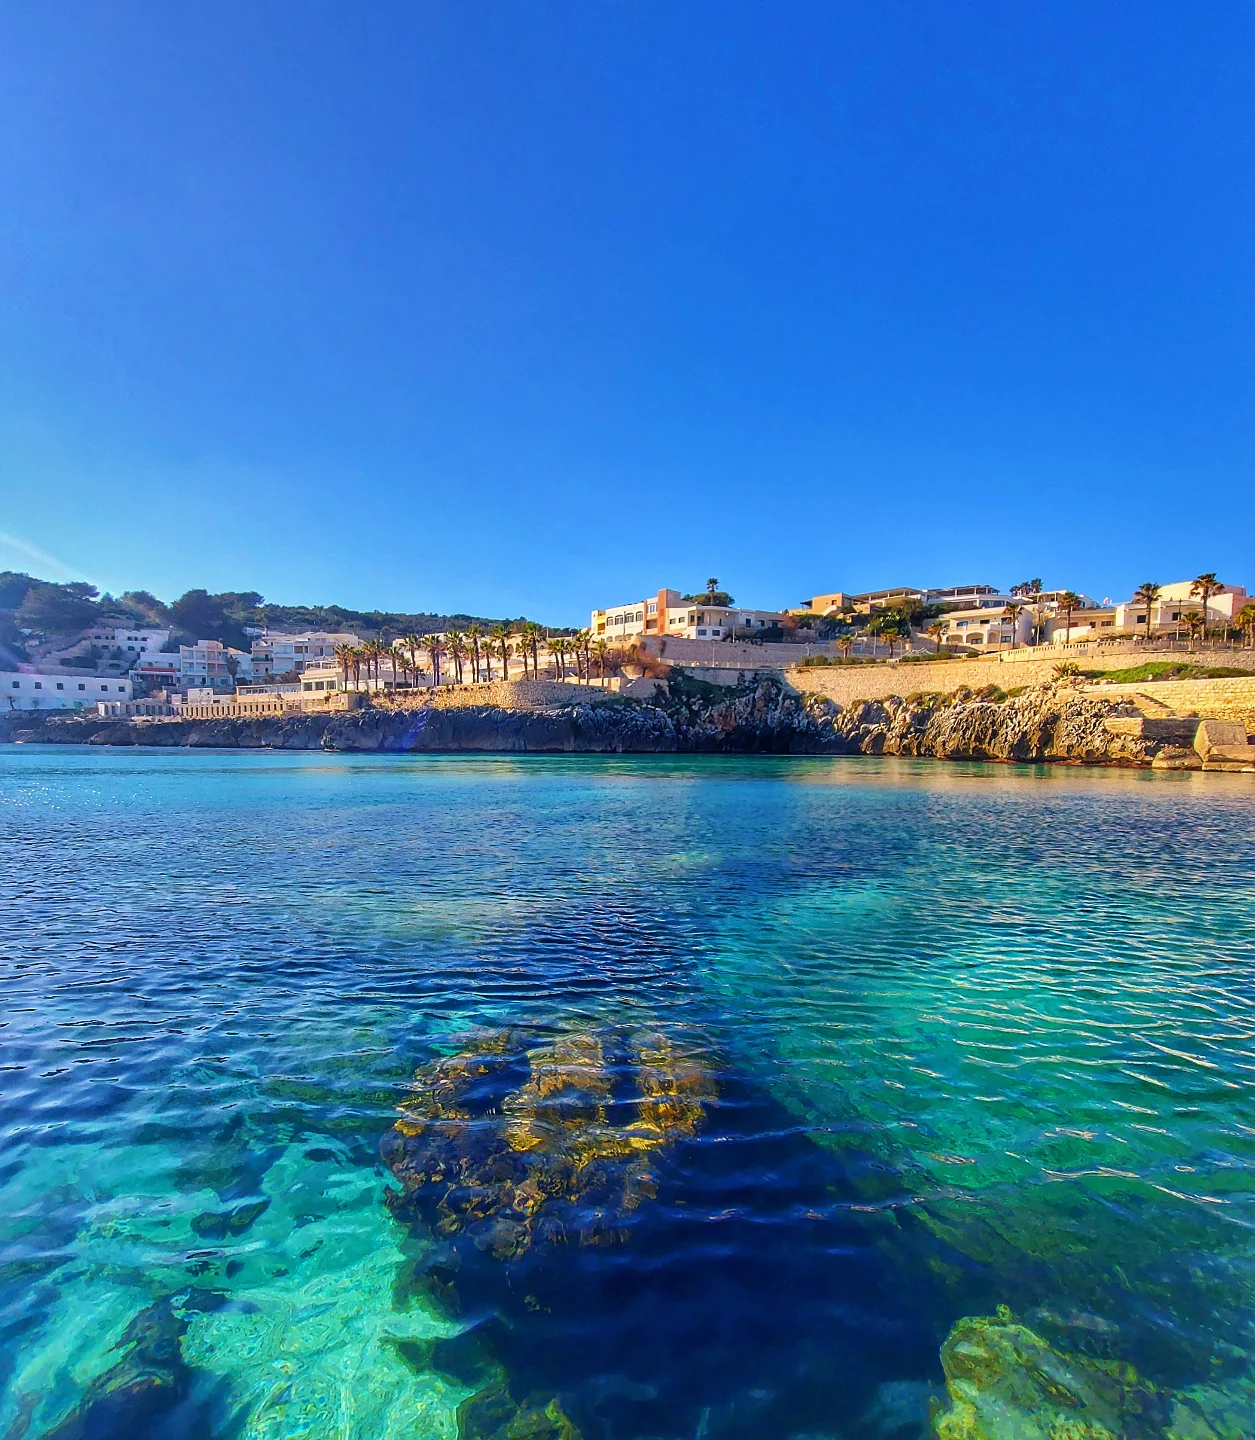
point(987, 627)
point(283, 654)
point(130, 639)
point(1168, 614)
point(30, 690)
point(115, 649)
point(668, 613)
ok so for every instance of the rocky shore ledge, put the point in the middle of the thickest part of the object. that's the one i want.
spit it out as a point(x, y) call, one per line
point(687, 716)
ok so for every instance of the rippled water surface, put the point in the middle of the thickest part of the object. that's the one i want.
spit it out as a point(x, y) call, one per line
point(971, 1035)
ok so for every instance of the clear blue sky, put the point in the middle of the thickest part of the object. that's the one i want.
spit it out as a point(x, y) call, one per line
point(520, 307)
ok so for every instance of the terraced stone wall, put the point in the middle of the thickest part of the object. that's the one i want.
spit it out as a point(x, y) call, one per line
point(1209, 699)
point(847, 684)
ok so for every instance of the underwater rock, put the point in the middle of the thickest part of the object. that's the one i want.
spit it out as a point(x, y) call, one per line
point(492, 1415)
point(149, 1380)
point(1005, 1382)
point(521, 1139)
point(630, 1225)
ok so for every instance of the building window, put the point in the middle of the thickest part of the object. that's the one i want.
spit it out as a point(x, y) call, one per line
point(17, 685)
point(39, 685)
point(60, 686)
point(82, 687)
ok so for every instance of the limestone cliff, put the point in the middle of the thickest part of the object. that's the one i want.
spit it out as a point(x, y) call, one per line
point(1051, 723)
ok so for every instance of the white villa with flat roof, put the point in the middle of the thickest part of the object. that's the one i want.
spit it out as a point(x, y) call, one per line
point(53, 690)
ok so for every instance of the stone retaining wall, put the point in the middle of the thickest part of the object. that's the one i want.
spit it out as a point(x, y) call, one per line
point(732, 654)
point(1215, 699)
point(506, 695)
point(847, 683)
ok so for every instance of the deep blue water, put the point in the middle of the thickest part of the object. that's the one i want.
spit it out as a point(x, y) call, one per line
point(976, 1035)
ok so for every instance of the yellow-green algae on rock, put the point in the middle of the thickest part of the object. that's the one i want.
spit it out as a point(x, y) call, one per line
point(519, 1139)
point(1005, 1382)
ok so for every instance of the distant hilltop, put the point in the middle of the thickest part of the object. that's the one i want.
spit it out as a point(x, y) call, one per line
point(28, 604)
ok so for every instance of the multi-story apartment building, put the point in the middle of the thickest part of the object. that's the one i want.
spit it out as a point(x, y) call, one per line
point(159, 670)
point(668, 613)
point(201, 665)
point(275, 655)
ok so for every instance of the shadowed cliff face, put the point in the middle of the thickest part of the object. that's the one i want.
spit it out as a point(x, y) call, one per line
point(1052, 723)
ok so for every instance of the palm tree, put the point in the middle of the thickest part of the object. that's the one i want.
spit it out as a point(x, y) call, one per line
point(413, 644)
point(1245, 621)
point(1204, 587)
point(1069, 670)
point(500, 637)
point(457, 652)
point(937, 631)
point(1012, 612)
point(396, 654)
point(845, 642)
point(434, 645)
point(1196, 624)
point(475, 633)
point(557, 649)
point(344, 658)
point(534, 636)
point(1068, 601)
point(583, 642)
point(359, 656)
point(600, 651)
point(1148, 593)
point(1030, 590)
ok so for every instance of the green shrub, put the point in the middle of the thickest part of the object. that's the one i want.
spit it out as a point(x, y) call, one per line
point(1168, 670)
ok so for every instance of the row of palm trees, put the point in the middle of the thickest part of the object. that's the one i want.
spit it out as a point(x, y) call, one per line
point(462, 656)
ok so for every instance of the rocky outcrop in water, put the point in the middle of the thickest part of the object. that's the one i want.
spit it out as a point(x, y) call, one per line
point(1006, 1382)
point(520, 1140)
point(1052, 723)
point(687, 716)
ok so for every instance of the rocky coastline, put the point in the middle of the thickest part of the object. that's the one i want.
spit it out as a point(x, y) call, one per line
point(686, 716)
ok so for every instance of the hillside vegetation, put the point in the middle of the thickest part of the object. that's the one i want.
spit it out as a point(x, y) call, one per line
point(48, 609)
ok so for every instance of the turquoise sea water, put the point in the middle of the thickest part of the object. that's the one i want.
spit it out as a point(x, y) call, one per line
point(981, 1035)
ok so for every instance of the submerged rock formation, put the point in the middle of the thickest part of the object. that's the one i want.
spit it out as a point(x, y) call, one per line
point(518, 1140)
point(1006, 1382)
point(686, 716)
